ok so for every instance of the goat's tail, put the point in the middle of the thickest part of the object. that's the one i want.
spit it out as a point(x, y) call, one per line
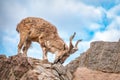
point(17, 28)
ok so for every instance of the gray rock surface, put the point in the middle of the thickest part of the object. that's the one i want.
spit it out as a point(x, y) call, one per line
point(100, 62)
point(101, 56)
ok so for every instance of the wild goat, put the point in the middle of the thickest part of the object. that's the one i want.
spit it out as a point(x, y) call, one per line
point(43, 32)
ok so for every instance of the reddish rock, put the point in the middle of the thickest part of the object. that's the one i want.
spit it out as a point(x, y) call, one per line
point(83, 73)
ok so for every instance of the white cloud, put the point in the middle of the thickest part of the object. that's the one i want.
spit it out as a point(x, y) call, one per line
point(112, 31)
point(115, 24)
point(14, 10)
point(95, 26)
point(109, 35)
point(115, 11)
point(88, 16)
point(56, 11)
point(63, 8)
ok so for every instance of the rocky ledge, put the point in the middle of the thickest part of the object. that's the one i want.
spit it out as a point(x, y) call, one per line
point(100, 62)
point(26, 68)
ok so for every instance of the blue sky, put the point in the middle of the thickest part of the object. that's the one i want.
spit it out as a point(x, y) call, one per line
point(92, 20)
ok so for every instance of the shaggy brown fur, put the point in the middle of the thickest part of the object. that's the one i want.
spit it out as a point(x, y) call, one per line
point(43, 32)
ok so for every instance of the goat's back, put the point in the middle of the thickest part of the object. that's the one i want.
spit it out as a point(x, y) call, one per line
point(39, 24)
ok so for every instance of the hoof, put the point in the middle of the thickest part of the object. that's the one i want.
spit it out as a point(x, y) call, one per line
point(45, 61)
point(24, 55)
point(19, 53)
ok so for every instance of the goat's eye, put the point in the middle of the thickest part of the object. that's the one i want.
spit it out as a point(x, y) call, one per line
point(41, 37)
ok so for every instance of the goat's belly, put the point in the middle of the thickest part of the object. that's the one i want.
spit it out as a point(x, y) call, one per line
point(33, 39)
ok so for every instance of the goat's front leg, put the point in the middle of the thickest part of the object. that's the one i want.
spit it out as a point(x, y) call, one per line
point(44, 54)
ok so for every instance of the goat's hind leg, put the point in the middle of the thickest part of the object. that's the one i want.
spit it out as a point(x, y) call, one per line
point(21, 42)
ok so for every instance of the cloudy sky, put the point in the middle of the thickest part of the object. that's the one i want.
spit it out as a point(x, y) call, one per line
point(92, 20)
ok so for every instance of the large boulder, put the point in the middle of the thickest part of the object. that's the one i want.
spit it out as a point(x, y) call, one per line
point(100, 62)
point(102, 56)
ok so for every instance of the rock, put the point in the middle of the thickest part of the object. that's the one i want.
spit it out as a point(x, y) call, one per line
point(59, 68)
point(102, 56)
point(73, 65)
point(2, 56)
point(63, 72)
point(55, 73)
point(2, 59)
point(83, 73)
point(100, 61)
point(25, 68)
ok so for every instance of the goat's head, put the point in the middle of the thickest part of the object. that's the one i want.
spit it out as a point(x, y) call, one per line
point(72, 49)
